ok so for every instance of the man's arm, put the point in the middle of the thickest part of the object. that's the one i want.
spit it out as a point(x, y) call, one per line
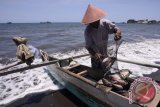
point(116, 31)
point(113, 29)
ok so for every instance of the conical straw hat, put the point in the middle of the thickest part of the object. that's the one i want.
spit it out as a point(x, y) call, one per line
point(93, 14)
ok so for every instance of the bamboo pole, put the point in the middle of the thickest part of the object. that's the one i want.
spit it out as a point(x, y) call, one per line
point(37, 65)
point(139, 63)
point(11, 65)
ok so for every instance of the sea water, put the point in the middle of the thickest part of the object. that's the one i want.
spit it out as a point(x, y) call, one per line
point(62, 40)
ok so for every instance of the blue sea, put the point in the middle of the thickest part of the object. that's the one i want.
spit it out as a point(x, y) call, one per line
point(60, 37)
point(141, 43)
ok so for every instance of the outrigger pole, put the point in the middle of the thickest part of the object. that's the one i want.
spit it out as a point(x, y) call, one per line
point(139, 63)
point(2, 73)
point(11, 65)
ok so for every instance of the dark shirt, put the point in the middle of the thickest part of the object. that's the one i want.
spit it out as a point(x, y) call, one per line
point(97, 39)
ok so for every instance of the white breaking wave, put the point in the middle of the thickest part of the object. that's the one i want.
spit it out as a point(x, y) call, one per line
point(17, 85)
point(147, 51)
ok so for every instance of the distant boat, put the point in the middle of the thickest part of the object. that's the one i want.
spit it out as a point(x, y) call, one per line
point(9, 23)
point(46, 22)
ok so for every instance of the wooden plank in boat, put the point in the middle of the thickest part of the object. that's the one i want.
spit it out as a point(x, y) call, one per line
point(70, 67)
point(82, 72)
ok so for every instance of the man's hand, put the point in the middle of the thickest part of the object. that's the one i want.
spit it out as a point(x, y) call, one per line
point(117, 35)
point(98, 56)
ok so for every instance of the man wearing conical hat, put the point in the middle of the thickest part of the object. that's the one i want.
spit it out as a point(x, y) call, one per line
point(96, 34)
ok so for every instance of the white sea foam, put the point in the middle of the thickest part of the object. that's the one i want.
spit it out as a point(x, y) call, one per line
point(15, 86)
point(146, 51)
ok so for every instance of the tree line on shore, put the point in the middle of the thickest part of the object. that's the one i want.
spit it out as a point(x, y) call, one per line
point(128, 21)
point(143, 21)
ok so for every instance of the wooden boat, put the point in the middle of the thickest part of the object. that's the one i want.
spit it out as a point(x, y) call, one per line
point(77, 80)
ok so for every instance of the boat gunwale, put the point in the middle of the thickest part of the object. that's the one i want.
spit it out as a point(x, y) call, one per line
point(95, 85)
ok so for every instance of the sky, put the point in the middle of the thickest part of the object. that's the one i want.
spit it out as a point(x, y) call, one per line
point(28, 11)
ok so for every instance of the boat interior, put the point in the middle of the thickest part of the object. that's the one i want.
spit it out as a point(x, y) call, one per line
point(86, 72)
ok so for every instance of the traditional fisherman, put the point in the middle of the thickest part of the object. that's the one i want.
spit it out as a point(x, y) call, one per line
point(96, 34)
point(96, 38)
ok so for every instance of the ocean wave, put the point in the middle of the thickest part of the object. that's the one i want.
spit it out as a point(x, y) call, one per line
point(146, 51)
point(6, 60)
point(17, 85)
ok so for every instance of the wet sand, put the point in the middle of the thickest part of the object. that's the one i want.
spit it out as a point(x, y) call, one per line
point(60, 98)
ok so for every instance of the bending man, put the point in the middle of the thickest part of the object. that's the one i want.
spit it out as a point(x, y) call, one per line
point(96, 35)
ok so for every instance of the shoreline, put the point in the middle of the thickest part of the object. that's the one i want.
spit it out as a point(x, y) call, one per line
point(60, 98)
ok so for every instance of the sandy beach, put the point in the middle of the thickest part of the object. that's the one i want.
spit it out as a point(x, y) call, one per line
point(60, 98)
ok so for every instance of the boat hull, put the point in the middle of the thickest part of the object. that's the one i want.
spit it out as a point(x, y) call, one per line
point(87, 91)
